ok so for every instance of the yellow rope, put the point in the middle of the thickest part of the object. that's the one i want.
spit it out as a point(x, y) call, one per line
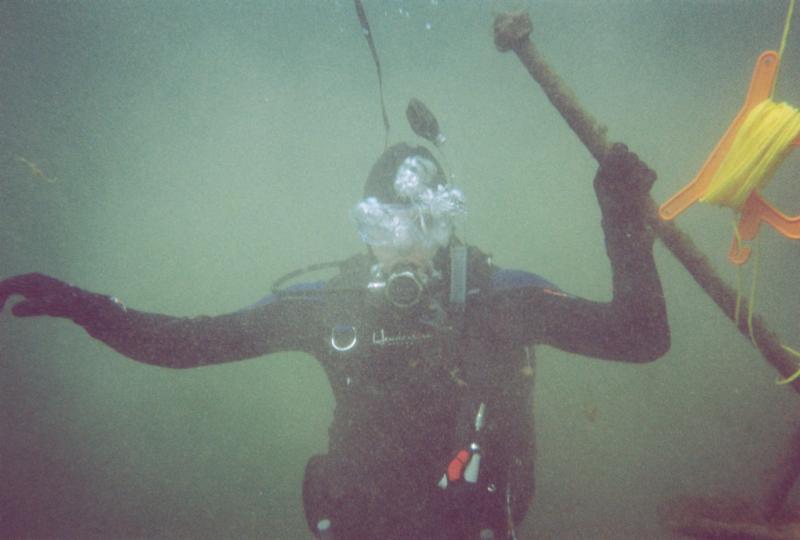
point(751, 300)
point(738, 309)
point(786, 27)
point(790, 378)
point(751, 303)
point(750, 310)
point(761, 144)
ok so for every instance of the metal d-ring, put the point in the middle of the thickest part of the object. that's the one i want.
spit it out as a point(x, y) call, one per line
point(343, 331)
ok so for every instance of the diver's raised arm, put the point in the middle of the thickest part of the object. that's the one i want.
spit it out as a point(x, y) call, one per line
point(175, 342)
point(622, 185)
point(633, 326)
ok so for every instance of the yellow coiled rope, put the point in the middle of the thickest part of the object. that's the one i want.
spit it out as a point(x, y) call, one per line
point(784, 38)
point(761, 144)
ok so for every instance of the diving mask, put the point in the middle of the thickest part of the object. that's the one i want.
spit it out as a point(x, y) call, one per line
point(424, 218)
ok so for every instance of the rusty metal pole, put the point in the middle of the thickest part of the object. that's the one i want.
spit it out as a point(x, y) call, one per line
point(512, 32)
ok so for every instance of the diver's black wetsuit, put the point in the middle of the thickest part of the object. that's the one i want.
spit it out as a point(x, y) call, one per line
point(407, 387)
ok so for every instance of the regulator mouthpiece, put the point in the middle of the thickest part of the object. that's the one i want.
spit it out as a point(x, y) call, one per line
point(403, 286)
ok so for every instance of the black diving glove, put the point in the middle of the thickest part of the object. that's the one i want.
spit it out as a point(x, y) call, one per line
point(622, 185)
point(44, 295)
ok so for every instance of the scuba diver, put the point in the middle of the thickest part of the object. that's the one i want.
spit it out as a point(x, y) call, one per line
point(428, 347)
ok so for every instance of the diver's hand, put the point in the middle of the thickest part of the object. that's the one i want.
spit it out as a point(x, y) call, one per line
point(622, 183)
point(43, 295)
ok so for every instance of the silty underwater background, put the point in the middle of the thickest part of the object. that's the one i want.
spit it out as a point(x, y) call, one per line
point(183, 155)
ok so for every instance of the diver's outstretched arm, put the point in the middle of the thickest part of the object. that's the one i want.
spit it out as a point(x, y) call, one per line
point(176, 342)
point(43, 295)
